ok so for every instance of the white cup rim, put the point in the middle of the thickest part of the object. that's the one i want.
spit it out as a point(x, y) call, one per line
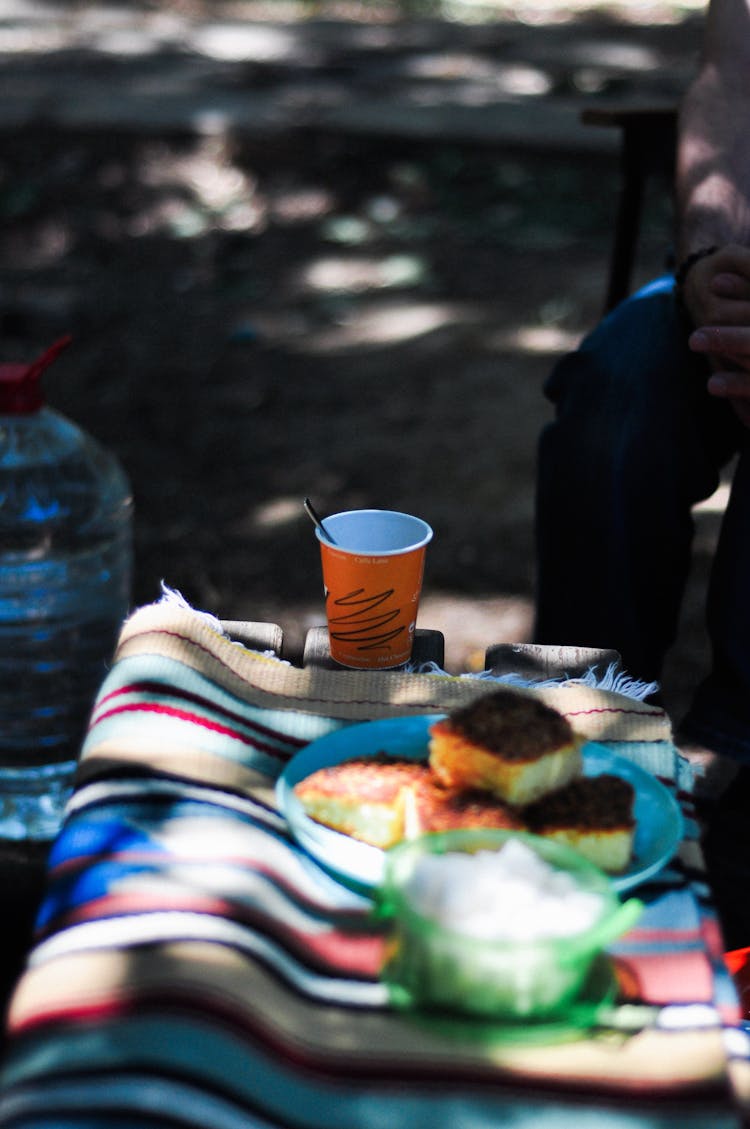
point(419, 542)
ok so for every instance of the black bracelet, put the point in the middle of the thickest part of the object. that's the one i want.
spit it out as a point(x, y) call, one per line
point(688, 263)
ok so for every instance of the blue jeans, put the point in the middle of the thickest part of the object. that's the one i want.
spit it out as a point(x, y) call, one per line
point(636, 441)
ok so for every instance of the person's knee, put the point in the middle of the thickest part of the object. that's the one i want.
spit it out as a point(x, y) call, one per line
point(627, 373)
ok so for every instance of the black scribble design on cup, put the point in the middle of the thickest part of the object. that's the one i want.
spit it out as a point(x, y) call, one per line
point(359, 626)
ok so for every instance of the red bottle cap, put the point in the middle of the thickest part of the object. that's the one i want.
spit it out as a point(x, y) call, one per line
point(20, 386)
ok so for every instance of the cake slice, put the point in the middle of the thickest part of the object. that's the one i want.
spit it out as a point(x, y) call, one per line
point(363, 797)
point(593, 814)
point(507, 743)
point(429, 806)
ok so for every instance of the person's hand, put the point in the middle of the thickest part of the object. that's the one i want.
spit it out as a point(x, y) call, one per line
point(728, 350)
point(717, 296)
point(717, 288)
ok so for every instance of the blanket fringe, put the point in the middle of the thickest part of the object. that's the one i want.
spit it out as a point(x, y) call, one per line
point(614, 679)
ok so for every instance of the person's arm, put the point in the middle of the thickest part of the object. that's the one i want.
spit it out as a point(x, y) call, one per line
point(713, 202)
point(713, 158)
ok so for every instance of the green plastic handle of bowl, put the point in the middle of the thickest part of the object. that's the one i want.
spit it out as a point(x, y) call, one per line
point(609, 928)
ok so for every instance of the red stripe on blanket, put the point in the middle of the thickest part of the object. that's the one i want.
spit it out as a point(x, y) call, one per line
point(150, 687)
point(194, 719)
point(668, 936)
point(668, 978)
point(309, 898)
point(329, 952)
point(643, 711)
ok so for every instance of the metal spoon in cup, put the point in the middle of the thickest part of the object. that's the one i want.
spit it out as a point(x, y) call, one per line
point(310, 510)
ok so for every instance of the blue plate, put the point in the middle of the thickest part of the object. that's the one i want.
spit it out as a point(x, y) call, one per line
point(659, 825)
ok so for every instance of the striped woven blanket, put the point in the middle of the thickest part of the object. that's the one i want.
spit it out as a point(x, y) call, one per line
point(194, 967)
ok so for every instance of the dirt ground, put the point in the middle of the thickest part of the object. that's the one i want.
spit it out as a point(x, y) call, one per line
point(368, 322)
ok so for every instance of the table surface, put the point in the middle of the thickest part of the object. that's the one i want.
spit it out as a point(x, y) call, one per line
point(23, 863)
point(69, 899)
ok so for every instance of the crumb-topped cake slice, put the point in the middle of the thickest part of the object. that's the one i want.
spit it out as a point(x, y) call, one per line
point(507, 743)
point(593, 814)
point(362, 797)
point(429, 806)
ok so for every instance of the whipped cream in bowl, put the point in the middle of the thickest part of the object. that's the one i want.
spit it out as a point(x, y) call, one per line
point(499, 924)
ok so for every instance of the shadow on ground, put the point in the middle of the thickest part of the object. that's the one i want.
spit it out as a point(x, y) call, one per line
point(365, 320)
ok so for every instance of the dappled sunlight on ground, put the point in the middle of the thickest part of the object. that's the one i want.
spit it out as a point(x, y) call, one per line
point(324, 250)
point(472, 625)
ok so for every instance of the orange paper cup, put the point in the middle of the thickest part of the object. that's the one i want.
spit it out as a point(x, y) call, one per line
point(372, 576)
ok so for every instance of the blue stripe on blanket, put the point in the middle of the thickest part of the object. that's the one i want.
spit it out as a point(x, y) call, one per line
point(101, 849)
point(184, 1052)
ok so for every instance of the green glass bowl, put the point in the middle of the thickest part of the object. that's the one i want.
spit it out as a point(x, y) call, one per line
point(430, 966)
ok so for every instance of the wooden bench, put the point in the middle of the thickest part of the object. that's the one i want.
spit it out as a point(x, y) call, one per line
point(530, 660)
point(648, 137)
